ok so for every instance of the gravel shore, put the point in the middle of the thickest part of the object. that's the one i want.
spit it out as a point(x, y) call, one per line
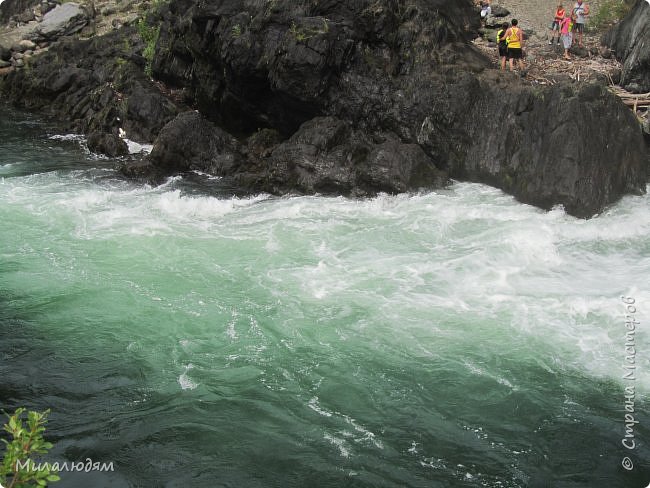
point(537, 15)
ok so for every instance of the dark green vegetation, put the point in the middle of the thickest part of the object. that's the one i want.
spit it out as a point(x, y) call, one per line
point(609, 13)
point(22, 451)
point(149, 35)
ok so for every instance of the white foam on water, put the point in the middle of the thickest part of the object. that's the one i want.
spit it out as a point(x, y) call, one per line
point(184, 380)
point(340, 444)
point(68, 137)
point(315, 406)
point(137, 148)
point(207, 175)
point(425, 269)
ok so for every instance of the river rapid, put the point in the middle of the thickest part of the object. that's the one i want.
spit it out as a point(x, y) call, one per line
point(197, 338)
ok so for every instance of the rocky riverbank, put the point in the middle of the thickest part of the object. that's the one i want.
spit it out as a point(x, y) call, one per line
point(334, 98)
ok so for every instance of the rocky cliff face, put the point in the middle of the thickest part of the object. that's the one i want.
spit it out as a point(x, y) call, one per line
point(346, 81)
point(344, 98)
point(630, 40)
point(97, 85)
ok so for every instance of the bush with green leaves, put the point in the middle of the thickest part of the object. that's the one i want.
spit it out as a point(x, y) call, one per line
point(149, 35)
point(610, 12)
point(26, 429)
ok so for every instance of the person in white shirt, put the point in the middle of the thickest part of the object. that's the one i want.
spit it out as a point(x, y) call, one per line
point(581, 10)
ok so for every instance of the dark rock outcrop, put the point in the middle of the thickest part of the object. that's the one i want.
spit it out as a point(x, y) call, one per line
point(499, 11)
point(5, 53)
point(337, 97)
point(64, 20)
point(277, 64)
point(327, 156)
point(370, 78)
point(108, 144)
point(96, 85)
point(547, 151)
point(630, 41)
point(190, 142)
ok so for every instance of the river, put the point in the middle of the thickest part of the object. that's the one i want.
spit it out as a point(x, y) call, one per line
point(196, 338)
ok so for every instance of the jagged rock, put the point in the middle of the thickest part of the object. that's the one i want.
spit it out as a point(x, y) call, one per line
point(144, 106)
point(581, 52)
point(273, 65)
point(262, 143)
point(499, 11)
point(96, 85)
point(19, 63)
point(108, 144)
point(327, 156)
point(64, 20)
point(271, 69)
point(545, 149)
point(5, 54)
point(605, 52)
point(191, 142)
point(630, 41)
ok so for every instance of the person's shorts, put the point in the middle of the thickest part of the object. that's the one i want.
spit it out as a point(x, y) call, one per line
point(579, 27)
point(503, 51)
point(514, 53)
point(555, 26)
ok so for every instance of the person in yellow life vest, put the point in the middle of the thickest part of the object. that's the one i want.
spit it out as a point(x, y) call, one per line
point(503, 45)
point(515, 39)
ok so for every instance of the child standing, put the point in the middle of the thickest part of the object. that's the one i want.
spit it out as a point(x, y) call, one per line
point(566, 28)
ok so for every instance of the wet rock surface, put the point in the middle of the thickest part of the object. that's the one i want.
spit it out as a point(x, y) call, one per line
point(349, 98)
point(96, 85)
point(630, 41)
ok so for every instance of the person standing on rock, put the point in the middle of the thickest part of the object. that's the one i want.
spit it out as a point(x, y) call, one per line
point(555, 26)
point(581, 10)
point(515, 40)
point(503, 45)
point(566, 27)
point(485, 10)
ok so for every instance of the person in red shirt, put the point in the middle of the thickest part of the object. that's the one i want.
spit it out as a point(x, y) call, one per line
point(555, 26)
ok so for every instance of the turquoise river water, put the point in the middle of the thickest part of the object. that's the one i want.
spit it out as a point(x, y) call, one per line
point(199, 339)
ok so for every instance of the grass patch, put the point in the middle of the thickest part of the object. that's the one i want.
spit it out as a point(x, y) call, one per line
point(149, 35)
point(610, 12)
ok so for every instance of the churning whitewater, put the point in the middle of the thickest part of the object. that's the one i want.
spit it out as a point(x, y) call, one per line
point(451, 338)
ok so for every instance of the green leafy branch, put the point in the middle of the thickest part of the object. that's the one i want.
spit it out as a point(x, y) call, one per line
point(149, 35)
point(27, 441)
